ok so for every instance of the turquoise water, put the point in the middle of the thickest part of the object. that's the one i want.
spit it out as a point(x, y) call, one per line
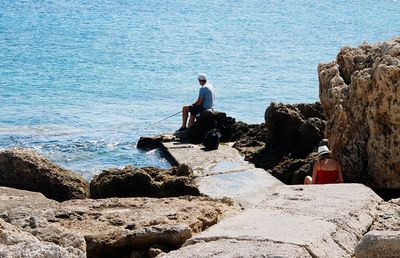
point(81, 81)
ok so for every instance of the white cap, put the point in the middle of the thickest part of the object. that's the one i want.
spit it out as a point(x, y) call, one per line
point(202, 77)
point(323, 150)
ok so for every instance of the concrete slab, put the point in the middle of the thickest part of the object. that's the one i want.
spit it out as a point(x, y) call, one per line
point(327, 220)
point(227, 248)
point(224, 173)
point(223, 160)
point(247, 187)
point(324, 220)
point(279, 227)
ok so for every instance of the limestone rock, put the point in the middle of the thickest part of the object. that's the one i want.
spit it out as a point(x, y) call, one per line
point(33, 214)
point(385, 244)
point(143, 182)
point(26, 169)
point(17, 243)
point(110, 227)
point(388, 218)
point(327, 220)
point(113, 226)
point(239, 248)
point(291, 124)
point(250, 138)
point(360, 95)
point(293, 171)
point(293, 133)
point(149, 143)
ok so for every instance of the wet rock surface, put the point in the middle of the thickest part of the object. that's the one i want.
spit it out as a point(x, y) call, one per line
point(103, 228)
point(26, 169)
point(144, 182)
point(360, 95)
point(150, 143)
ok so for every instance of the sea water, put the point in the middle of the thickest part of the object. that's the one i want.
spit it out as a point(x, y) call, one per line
point(81, 81)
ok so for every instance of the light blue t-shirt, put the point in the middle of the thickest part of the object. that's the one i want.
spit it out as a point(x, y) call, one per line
point(207, 93)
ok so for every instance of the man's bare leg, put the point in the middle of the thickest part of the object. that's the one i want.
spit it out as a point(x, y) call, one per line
point(185, 112)
point(191, 121)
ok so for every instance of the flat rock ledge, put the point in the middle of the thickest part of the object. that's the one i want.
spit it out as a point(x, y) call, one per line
point(35, 226)
point(283, 221)
point(295, 221)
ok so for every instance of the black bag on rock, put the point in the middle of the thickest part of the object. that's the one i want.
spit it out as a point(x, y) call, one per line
point(211, 140)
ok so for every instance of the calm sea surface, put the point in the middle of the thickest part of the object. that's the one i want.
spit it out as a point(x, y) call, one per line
point(82, 80)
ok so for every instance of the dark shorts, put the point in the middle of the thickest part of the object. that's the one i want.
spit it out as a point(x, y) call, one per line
point(196, 109)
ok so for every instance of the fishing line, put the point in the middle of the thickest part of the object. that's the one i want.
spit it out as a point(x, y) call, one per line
point(159, 121)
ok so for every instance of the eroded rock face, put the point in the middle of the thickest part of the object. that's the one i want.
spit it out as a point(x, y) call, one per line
point(32, 231)
point(360, 95)
point(292, 133)
point(17, 243)
point(385, 244)
point(26, 169)
point(144, 182)
point(106, 227)
point(384, 238)
point(388, 218)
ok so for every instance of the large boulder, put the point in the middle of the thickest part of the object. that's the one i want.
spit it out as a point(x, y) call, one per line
point(143, 182)
point(292, 134)
point(26, 169)
point(298, 127)
point(114, 227)
point(360, 95)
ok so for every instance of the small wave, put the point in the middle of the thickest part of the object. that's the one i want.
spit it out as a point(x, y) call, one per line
point(39, 130)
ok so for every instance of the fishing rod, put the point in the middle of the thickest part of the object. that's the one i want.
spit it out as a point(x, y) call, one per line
point(177, 113)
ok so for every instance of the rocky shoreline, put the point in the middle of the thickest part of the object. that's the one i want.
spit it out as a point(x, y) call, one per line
point(48, 211)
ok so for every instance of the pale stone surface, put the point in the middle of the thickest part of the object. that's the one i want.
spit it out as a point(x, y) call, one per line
point(388, 217)
point(384, 244)
point(360, 93)
point(113, 224)
point(227, 248)
point(26, 169)
point(224, 173)
point(35, 214)
point(327, 220)
point(224, 159)
point(15, 243)
point(111, 227)
point(248, 187)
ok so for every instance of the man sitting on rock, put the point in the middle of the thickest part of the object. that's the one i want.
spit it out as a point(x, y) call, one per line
point(204, 102)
